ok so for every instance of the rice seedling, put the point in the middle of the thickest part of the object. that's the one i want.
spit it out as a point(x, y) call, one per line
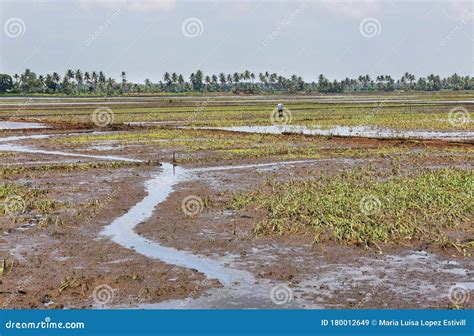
point(358, 208)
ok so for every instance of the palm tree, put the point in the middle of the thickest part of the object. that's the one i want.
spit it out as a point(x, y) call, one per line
point(222, 79)
point(181, 82)
point(56, 78)
point(41, 82)
point(207, 79)
point(236, 77)
point(79, 79)
point(69, 74)
point(123, 75)
point(102, 80)
point(174, 77)
point(94, 78)
point(167, 80)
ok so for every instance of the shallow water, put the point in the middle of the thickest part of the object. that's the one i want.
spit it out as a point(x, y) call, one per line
point(356, 131)
point(158, 188)
point(122, 230)
point(241, 290)
point(24, 149)
point(16, 125)
point(6, 145)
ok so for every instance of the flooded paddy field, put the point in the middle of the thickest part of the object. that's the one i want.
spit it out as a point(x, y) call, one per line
point(220, 202)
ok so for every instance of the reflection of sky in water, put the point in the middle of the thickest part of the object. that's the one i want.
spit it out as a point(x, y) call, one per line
point(360, 131)
point(8, 125)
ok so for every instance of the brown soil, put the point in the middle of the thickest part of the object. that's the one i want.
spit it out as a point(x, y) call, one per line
point(61, 266)
point(40, 260)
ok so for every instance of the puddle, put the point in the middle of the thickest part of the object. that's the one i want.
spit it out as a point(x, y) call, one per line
point(104, 147)
point(356, 131)
point(121, 231)
point(154, 123)
point(24, 149)
point(24, 137)
point(17, 125)
point(266, 166)
point(7, 146)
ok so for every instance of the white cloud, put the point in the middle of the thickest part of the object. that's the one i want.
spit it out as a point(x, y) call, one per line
point(134, 5)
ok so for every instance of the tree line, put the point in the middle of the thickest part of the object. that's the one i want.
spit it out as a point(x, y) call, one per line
point(96, 82)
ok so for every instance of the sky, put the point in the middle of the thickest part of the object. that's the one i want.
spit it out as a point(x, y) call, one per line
point(146, 38)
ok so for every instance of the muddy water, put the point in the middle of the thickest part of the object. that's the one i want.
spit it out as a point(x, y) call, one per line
point(240, 288)
point(15, 125)
point(356, 131)
point(6, 145)
point(158, 188)
point(24, 149)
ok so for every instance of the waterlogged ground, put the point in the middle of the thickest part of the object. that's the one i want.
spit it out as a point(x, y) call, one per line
point(160, 209)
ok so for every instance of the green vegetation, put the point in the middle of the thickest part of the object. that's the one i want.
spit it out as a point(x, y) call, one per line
point(238, 112)
point(79, 82)
point(17, 200)
point(10, 172)
point(205, 145)
point(363, 208)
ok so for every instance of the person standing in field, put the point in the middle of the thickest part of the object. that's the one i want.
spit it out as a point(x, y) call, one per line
point(280, 110)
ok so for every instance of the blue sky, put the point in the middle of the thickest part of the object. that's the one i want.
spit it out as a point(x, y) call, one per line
point(145, 38)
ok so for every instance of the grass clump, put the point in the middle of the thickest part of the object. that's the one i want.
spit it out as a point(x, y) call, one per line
point(20, 204)
point(356, 208)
